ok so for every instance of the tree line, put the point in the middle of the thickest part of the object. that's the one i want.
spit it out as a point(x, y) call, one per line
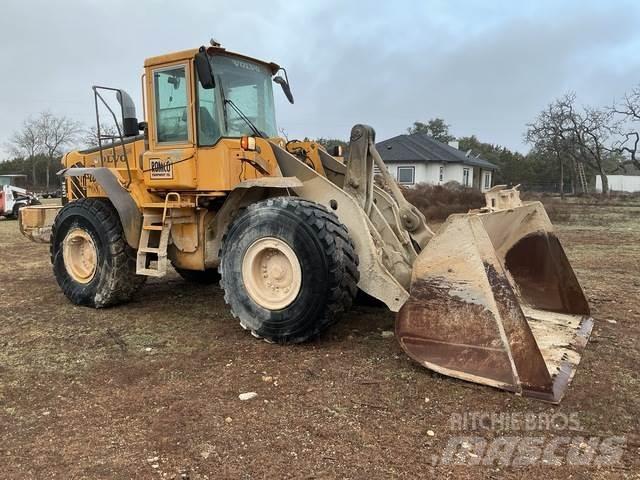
point(570, 144)
point(38, 145)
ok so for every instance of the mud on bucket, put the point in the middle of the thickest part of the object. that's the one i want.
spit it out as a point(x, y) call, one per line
point(495, 301)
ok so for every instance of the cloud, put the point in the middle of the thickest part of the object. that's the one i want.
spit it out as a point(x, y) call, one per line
point(486, 67)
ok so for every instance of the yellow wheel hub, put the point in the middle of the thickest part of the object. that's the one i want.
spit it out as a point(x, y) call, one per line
point(80, 255)
point(271, 273)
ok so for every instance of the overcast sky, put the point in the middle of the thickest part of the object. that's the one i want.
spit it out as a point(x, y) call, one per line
point(486, 67)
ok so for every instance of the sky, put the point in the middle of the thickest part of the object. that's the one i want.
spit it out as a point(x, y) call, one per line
point(486, 67)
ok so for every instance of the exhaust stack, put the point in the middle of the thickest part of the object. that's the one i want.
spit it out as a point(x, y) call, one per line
point(130, 126)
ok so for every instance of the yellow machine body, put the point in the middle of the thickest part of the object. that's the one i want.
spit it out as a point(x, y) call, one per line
point(490, 298)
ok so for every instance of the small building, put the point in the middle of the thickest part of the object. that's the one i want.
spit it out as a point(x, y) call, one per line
point(418, 158)
point(620, 183)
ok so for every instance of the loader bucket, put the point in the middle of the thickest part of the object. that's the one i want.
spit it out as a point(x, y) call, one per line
point(494, 300)
point(35, 222)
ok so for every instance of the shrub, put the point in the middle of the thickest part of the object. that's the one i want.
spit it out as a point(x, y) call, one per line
point(437, 202)
point(557, 210)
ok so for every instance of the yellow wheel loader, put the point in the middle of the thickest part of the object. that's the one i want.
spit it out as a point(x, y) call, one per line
point(293, 232)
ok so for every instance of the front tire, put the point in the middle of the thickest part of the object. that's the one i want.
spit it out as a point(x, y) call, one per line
point(288, 269)
point(93, 264)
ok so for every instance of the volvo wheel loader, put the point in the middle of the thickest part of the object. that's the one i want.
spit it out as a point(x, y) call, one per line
point(292, 231)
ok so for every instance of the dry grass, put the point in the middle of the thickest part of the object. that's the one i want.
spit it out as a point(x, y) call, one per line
point(557, 210)
point(103, 394)
point(614, 198)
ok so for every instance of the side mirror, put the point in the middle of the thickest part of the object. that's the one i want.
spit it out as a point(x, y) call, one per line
point(175, 81)
point(285, 87)
point(203, 68)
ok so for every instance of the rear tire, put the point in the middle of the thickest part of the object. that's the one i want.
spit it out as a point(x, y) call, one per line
point(15, 212)
point(288, 269)
point(93, 264)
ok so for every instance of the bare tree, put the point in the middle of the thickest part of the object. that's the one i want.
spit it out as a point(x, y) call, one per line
point(55, 133)
point(627, 113)
point(108, 133)
point(581, 134)
point(27, 143)
point(590, 130)
point(548, 133)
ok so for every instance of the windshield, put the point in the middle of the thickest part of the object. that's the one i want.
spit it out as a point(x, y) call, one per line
point(14, 180)
point(247, 86)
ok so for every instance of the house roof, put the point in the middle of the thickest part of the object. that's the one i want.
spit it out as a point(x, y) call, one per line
point(420, 147)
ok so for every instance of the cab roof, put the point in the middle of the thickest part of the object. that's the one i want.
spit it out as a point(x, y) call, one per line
point(189, 54)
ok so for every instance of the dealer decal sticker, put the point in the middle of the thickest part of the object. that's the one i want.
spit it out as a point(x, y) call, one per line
point(161, 169)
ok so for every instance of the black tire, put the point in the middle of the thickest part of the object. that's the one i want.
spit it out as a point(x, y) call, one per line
point(329, 267)
point(209, 276)
point(115, 280)
point(16, 209)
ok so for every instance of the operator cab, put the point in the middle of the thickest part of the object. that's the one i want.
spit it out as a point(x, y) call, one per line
point(232, 93)
point(13, 180)
point(200, 105)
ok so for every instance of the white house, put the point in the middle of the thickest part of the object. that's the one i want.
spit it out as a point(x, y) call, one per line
point(418, 158)
point(620, 183)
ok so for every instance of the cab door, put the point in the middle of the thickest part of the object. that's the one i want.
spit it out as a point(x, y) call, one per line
point(170, 162)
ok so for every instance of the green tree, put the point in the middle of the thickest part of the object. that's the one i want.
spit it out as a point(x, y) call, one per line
point(513, 167)
point(436, 128)
point(330, 143)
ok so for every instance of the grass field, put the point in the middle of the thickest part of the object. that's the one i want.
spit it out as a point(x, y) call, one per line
point(150, 389)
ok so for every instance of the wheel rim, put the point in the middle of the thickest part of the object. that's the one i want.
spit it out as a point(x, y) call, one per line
point(80, 255)
point(271, 273)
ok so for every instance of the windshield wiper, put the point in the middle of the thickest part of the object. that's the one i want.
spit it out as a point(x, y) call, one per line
point(244, 117)
point(225, 102)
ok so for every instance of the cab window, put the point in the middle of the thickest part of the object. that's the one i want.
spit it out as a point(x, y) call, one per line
point(207, 117)
point(172, 116)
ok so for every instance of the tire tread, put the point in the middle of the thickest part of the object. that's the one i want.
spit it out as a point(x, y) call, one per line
point(343, 274)
point(121, 282)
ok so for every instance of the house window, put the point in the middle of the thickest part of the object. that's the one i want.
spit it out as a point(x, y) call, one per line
point(442, 174)
point(487, 180)
point(465, 177)
point(406, 175)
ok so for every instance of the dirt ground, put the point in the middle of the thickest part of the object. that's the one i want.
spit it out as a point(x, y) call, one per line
point(150, 389)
